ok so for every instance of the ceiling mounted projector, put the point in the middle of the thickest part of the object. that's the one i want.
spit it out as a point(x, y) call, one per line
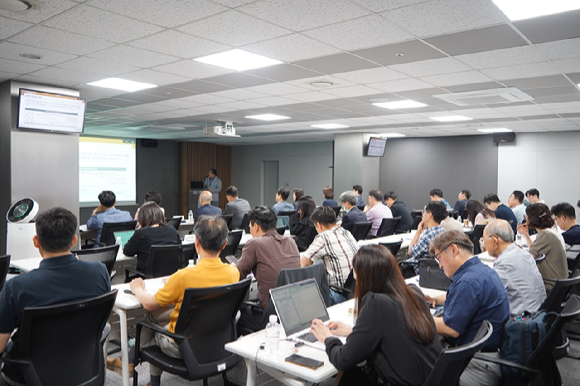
point(22, 211)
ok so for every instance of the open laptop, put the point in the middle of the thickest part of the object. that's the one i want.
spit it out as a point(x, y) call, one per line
point(297, 304)
point(124, 235)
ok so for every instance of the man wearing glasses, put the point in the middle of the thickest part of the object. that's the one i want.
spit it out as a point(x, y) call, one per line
point(476, 294)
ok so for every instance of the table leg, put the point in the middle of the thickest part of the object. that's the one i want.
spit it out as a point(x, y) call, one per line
point(124, 343)
point(251, 370)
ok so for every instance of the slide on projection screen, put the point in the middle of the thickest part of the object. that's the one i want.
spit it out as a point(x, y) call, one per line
point(106, 164)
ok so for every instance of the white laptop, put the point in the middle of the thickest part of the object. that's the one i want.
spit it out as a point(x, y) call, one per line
point(297, 304)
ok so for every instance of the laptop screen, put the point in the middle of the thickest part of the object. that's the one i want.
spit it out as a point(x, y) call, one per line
point(297, 304)
point(124, 235)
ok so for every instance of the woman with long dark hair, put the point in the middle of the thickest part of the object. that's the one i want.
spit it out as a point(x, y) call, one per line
point(477, 213)
point(394, 330)
point(300, 221)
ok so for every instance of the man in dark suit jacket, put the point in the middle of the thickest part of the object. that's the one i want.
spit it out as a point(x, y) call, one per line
point(206, 209)
point(353, 214)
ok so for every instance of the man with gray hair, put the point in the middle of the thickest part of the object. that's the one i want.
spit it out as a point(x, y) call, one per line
point(516, 268)
point(205, 208)
point(353, 214)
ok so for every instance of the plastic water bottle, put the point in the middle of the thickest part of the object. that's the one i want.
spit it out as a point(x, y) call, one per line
point(190, 215)
point(272, 335)
point(119, 241)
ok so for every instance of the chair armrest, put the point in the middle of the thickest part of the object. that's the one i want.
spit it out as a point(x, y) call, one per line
point(160, 330)
point(20, 363)
point(551, 280)
point(341, 290)
point(256, 306)
point(135, 273)
point(155, 328)
point(503, 362)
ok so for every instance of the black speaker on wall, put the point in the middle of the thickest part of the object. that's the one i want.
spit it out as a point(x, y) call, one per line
point(149, 142)
point(504, 137)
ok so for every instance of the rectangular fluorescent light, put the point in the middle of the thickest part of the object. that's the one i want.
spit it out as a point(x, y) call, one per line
point(397, 105)
point(496, 130)
point(330, 126)
point(392, 135)
point(526, 9)
point(451, 118)
point(268, 117)
point(122, 84)
point(238, 60)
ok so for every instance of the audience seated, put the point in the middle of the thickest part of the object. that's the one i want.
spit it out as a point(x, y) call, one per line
point(376, 211)
point(151, 195)
point(296, 195)
point(478, 214)
point(399, 209)
point(153, 232)
point(501, 211)
point(476, 294)
point(428, 229)
point(211, 234)
point(565, 216)
point(357, 189)
point(516, 204)
point(281, 204)
point(300, 221)
point(533, 196)
point(516, 268)
point(462, 198)
point(106, 212)
point(328, 193)
point(548, 241)
point(437, 195)
point(451, 224)
point(353, 214)
point(236, 206)
point(393, 328)
point(335, 246)
point(206, 209)
point(60, 278)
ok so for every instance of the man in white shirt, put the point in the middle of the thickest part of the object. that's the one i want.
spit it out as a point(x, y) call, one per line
point(516, 203)
point(376, 211)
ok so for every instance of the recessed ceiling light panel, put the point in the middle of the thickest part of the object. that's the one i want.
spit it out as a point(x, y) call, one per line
point(238, 60)
point(495, 130)
point(330, 126)
point(268, 117)
point(451, 118)
point(526, 9)
point(122, 84)
point(398, 105)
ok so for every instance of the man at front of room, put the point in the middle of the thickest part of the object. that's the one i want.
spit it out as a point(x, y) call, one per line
point(214, 185)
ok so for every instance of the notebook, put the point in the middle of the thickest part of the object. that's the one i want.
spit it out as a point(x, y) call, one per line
point(124, 235)
point(297, 304)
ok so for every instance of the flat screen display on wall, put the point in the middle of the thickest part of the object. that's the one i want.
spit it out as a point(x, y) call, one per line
point(376, 147)
point(45, 111)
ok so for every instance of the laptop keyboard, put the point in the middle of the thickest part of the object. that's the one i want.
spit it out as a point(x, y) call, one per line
point(308, 337)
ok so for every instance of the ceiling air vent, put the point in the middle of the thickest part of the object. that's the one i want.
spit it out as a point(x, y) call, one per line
point(486, 97)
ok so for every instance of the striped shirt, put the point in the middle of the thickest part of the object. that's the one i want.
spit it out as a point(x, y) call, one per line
point(336, 247)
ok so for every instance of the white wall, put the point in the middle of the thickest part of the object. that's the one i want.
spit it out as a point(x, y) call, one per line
point(545, 161)
point(301, 165)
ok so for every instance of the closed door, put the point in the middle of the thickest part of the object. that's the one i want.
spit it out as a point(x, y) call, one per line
point(269, 182)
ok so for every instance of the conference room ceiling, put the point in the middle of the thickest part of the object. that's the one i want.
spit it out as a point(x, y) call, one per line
point(362, 49)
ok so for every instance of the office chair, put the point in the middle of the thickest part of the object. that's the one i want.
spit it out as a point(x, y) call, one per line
point(234, 238)
point(454, 214)
point(394, 246)
point(62, 344)
point(189, 253)
point(4, 267)
point(388, 226)
point(227, 218)
point(361, 207)
point(347, 290)
point(107, 236)
point(281, 230)
point(206, 322)
point(336, 209)
point(308, 238)
point(174, 222)
point(416, 221)
point(286, 213)
point(245, 225)
point(164, 260)
point(105, 255)
point(475, 236)
point(361, 230)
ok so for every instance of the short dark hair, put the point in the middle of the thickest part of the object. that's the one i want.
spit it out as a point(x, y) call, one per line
point(518, 195)
point(232, 191)
point(533, 192)
point(445, 239)
point(564, 209)
point(107, 198)
point(150, 214)
point(491, 198)
point(328, 192)
point(154, 196)
point(392, 195)
point(578, 204)
point(263, 216)
point(376, 194)
point(298, 193)
point(306, 206)
point(438, 210)
point(284, 193)
point(213, 171)
point(323, 215)
point(539, 216)
point(436, 192)
point(211, 232)
point(466, 193)
point(358, 188)
point(56, 229)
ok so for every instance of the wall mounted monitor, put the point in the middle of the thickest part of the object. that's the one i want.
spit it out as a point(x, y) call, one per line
point(376, 147)
point(45, 111)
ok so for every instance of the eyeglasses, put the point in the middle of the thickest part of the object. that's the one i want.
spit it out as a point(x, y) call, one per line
point(436, 256)
point(483, 238)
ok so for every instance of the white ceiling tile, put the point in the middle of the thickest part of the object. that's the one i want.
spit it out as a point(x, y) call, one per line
point(39, 14)
point(351, 91)
point(92, 92)
point(307, 82)
point(519, 109)
point(85, 20)
point(176, 103)
point(561, 49)
point(400, 85)
point(178, 44)
point(568, 65)
point(167, 13)
point(154, 77)
point(445, 16)
point(180, 113)
point(97, 66)
point(371, 75)
point(53, 81)
point(311, 96)
point(61, 41)
point(431, 67)
point(209, 110)
point(568, 107)
point(522, 71)
point(19, 67)
point(240, 105)
point(234, 28)
point(67, 75)
point(239, 94)
point(277, 89)
point(133, 56)
point(12, 51)
point(192, 69)
point(299, 15)
point(368, 31)
point(457, 78)
point(273, 101)
point(233, 3)
point(504, 57)
point(382, 5)
point(207, 99)
point(292, 48)
point(11, 27)
point(157, 116)
point(7, 75)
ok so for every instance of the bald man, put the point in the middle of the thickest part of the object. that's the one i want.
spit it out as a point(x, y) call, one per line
point(206, 209)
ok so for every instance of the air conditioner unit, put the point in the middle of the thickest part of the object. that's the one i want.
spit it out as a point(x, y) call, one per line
point(225, 130)
point(486, 97)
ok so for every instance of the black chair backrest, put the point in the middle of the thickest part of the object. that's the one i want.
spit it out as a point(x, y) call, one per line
point(350, 284)
point(315, 271)
point(475, 236)
point(164, 260)
point(309, 238)
point(286, 213)
point(207, 318)
point(416, 213)
point(454, 214)
point(361, 207)
point(388, 226)
point(4, 266)
point(281, 230)
point(394, 247)
point(573, 265)
point(453, 361)
point(245, 223)
point(174, 222)
point(361, 230)
point(107, 236)
point(63, 342)
point(189, 253)
point(336, 209)
point(228, 218)
point(416, 221)
point(234, 238)
point(558, 294)
point(105, 255)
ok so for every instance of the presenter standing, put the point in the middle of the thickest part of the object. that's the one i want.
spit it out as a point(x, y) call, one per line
point(214, 185)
